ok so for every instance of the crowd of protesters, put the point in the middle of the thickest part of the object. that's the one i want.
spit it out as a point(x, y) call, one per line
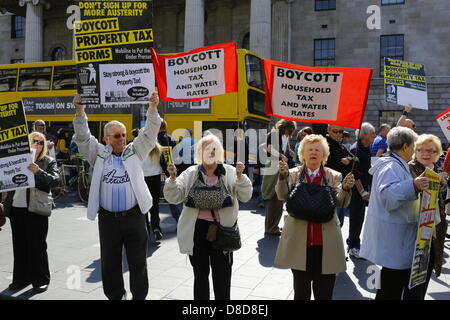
point(374, 181)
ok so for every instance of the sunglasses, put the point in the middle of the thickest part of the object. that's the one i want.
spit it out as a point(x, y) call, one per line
point(338, 131)
point(39, 142)
point(118, 135)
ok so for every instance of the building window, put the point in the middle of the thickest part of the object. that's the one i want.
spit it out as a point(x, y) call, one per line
point(390, 117)
point(58, 54)
point(321, 5)
point(14, 61)
point(324, 52)
point(389, 2)
point(17, 27)
point(391, 46)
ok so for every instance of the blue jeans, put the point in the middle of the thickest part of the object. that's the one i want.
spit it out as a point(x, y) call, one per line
point(175, 210)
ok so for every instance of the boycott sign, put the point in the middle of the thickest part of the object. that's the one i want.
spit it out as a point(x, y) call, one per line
point(197, 74)
point(405, 83)
point(316, 94)
point(112, 51)
point(444, 121)
point(428, 207)
point(14, 148)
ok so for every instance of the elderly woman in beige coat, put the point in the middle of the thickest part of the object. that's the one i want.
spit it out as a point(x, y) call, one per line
point(194, 223)
point(314, 251)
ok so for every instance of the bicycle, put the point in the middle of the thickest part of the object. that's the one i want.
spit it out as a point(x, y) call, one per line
point(81, 181)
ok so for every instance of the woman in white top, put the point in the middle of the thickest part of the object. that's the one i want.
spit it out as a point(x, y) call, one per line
point(152, 172)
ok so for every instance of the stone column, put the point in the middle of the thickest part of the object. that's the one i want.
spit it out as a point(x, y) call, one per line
point(281, 30)
point(169, 42)
point(260, 27)
point(34, 30)
point(194, 24)
point(223, 21)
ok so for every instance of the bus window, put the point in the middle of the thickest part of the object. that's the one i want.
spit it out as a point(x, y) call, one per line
point(8, 80)
point(256, 102)
point(31, 79)
point(65, 78)
point(254, 71)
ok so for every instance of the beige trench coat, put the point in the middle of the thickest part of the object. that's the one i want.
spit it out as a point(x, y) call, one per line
point(291, 252)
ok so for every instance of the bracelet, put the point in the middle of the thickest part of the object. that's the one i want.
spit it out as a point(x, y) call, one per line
point(364, 193)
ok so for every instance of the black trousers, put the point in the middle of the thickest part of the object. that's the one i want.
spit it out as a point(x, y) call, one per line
point(394, 283)
point(154, 186)
point(29, 234)
point(204, 258)
point(322, 284)
point(357, 210)
point(129, 231)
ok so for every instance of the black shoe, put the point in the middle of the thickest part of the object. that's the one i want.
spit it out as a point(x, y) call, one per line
point(158, 234)
point(17, 286)
point(40, 289)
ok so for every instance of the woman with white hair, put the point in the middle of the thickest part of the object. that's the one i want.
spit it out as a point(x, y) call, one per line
point(195, 221)
point(390, 230)
point(428, 149)
point(313, 250)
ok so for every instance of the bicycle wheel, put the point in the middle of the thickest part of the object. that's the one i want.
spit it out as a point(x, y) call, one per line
point(58, 191)
point(83, 188)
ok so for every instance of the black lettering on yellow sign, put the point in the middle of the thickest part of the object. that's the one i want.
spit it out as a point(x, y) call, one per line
point(406, 77)
point(113, 38)
point(96, 25)
point(396, 70)
point(396, 82)
point(103, 54)
point(13, 133)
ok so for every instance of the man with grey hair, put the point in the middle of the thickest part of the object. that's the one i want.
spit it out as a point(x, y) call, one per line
point(120, 196)
point(361, 190)
point(379, 145)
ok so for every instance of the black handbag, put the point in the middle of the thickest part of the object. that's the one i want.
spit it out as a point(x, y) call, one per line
point(224, 238)
point(311, 201)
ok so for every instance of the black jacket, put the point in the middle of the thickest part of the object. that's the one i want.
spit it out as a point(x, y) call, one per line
point(337, 152)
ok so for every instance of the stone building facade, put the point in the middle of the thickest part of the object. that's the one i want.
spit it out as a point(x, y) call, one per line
point(284, 30)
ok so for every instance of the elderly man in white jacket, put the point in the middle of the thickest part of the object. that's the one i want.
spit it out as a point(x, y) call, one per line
point(119, 195)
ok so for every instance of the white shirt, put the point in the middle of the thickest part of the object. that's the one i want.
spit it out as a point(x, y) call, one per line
point(116, 192)
point(312, 174)
point(151, 167)
point(20, 198)
point(284, 143)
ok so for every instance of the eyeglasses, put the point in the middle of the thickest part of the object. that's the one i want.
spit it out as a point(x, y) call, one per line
point(118, 135)
point(430, 151)
point(39, 142)
point(40, 125)
point(338, 131)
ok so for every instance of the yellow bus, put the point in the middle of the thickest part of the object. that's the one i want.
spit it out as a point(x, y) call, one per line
point(244, 109)
point(47, 90)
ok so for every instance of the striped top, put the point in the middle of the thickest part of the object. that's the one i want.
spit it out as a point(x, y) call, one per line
point(116, 192)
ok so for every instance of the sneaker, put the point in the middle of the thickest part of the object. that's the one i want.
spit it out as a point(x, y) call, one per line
point(354, 252)
point(158, 234)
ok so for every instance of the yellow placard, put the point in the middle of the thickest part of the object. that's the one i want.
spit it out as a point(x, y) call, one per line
point(96, 25)
point(84, 56)
point(13, 133)
point(106, 39)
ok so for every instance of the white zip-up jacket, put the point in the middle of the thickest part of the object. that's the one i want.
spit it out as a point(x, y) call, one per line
point(132, 157)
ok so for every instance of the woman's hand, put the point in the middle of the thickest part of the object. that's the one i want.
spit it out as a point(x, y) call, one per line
point(172, 171)
point(239, 169)
point(33, 167)
point(283, 169)
point(348, 182)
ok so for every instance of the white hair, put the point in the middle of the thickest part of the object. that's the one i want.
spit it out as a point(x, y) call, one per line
point(399, 136)
point(113, 123)
point(366, 128)
point(207, 139)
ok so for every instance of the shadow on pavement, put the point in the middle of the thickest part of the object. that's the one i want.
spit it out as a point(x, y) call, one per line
point(267, 248)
